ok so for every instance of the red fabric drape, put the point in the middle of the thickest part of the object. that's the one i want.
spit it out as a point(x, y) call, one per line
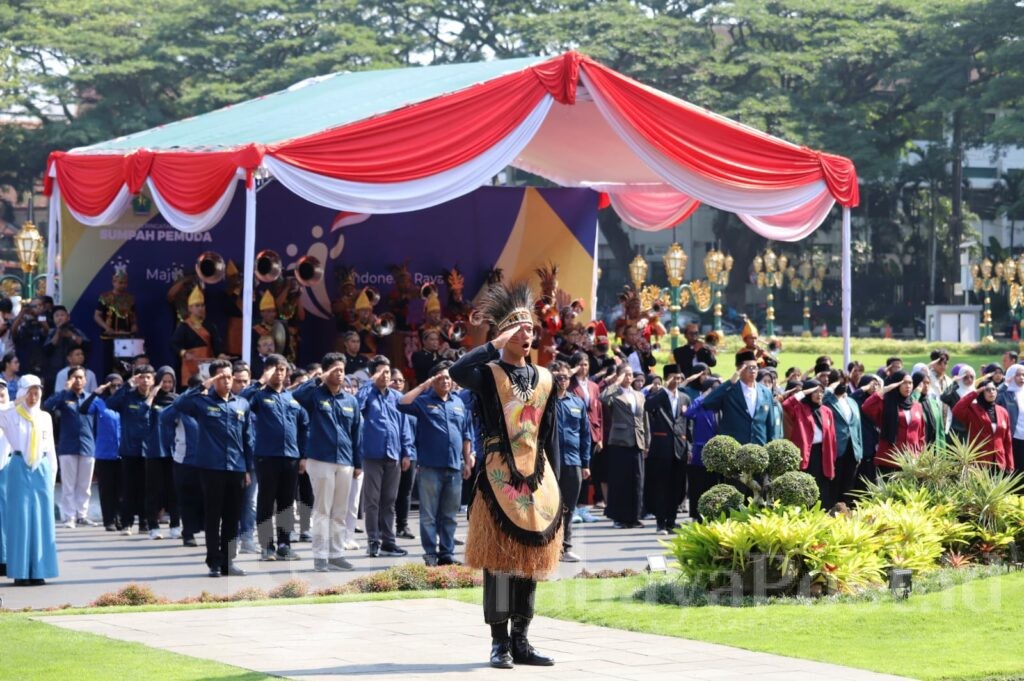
point(88, 184)
point(193, 182)
point(432, 136)
point(718, 148)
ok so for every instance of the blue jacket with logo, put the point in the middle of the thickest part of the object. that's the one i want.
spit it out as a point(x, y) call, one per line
point(335, 425)
point(280, 425)
point(134, 411)
point(225, 439)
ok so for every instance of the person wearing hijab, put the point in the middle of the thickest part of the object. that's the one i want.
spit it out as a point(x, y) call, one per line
point(4, 404)
point(867, 385)
point(849, 436)
point(987, 424)
point(160, 490)
point(963, 383)
point(814, 432)
point(1011, 398)
point(705, 427)
point(995, 372)
point(30, 458)
point(934, 423)
point(898, 417)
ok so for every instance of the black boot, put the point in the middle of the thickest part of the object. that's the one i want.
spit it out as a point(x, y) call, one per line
point(522, 651)
point(501, 649)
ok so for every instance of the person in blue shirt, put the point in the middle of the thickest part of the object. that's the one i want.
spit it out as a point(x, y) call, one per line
point(408, 478)
point(705, 427)
point(333, 458)
point(108, 440)
point(574, 446)
point(75, 449)
point(132, 405)
point(160, 491)
point(225, 462)
point(385, 453)
point(280, 427)
point(444, 457)
point(180, 440)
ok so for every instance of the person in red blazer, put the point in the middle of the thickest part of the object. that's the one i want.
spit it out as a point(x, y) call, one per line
point(899, 418)
point(987, 423)
point(590, 393)
point(814, 432)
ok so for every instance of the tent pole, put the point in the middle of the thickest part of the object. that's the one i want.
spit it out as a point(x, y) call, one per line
point(847, 286)
point(248, 268)
point(53, 240)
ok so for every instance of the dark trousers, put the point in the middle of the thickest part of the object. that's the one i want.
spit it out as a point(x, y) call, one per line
point(569, 480)
point(108, 477)
point(223, 492)
point(278, 476)
point(664, 489)
point(404, 499)
point(160, 491)
point(825, 486)
point(507, 596)
point(699, 480)
point(590, 483)
point(1018, 456)
point(133, 491)
point(305, 496)
point(625, 467)
point(846, 477)
point(190, 499)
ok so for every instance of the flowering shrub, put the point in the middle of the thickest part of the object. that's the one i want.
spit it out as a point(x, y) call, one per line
point(293, 588)
point(130, 594)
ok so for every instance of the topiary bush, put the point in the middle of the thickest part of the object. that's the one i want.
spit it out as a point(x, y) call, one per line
point(752, 459)
point(719, 455)
point(718, 500)
point(783, 457)
point(795, 489)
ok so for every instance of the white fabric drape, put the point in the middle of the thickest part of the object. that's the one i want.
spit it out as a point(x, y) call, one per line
point(725, 197)
point(794, 225)
point(200, 222)
point(847, 285)
point(652, 211)
point(401, 197)
point(53, 233)
point(110, 214)
point(248, 270)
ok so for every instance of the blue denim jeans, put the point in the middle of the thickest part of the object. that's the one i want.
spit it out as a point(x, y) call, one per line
point(440, 490)
point(247, 517)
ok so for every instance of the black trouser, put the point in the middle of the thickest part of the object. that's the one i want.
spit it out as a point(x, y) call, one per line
point(160, 491)
point(190, 499)
point(108, 477)
point(664, 489)
point(814, 468)
point(403, 501)
point(699, 480)
point(507, 596)
point(569, 480)
point(223, 492)
point(625, 467)
point(846, 477)
point(133, 491)
point(305, 495)
point(278, 476)
point(1018, 456)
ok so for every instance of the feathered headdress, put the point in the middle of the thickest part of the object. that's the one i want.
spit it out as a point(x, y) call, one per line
point(454, 279)
point(548, 279)
point(505, 306)
point(494, 276)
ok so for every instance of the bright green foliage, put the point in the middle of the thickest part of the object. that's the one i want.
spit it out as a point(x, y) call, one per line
point(783, 457)
point(794, 488)
point(718, 500)
point(752, 459)
point(719, 455)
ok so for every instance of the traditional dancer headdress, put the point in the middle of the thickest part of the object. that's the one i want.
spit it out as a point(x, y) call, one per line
point(505, 306)
point(196, 297)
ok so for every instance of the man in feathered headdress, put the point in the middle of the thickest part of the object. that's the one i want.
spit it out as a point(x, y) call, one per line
point(195, 339)
point(515, 533)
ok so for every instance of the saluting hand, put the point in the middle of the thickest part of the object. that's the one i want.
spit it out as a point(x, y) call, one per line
point(502, 339)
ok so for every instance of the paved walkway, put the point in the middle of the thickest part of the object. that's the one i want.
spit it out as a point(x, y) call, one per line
point(433, 639)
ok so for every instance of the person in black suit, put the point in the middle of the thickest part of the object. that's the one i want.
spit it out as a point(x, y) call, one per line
point(665, 467)
point(694, 352)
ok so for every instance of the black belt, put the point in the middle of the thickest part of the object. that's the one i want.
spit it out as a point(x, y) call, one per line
point(17, 453)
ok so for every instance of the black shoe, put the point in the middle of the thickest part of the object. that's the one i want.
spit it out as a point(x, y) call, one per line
point(190, 541)
point(36, 582)
point(447, 560)
point(393, 550)
point(523, 653)
point(501, 656)
point(214, 572)
point(636, 524)
point(404, 533)
point(234, 571)
point(430, 561)
point(110, 528)
point(360, 530)
point(373, 549)
point(3, 569)
point(305, 537)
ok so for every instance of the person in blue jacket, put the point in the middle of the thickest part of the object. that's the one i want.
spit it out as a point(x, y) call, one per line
point(705, 427)
point(132, 403)
point(280, 428)
point(333, 458)
point(180, 440)
point(108, 441)
point(76, 445)
point(160, 491)
point(574, 448)
point(224, 460)
point(747, 408)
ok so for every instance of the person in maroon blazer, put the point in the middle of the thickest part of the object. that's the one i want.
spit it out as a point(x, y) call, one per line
point(814, 432)
point(899, 418)
point(590, 393)
point(987, 423)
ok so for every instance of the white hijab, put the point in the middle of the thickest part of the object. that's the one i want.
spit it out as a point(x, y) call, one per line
point(1011, 385)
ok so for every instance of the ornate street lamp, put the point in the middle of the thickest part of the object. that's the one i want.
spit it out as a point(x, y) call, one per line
point(989, 278)
point(638, 272)
point(717, 265)
point(808, 277)
point(29, 244)
point(770, 270)
point(675, 268)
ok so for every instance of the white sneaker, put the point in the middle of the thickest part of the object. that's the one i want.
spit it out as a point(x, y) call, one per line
point(69, 523)
point(155, 534)
point(351, 545)
point(175, 533)
point(248, 546)
point(128, 531)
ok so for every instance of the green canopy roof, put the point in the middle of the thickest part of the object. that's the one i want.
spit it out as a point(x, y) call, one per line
point(313, 105)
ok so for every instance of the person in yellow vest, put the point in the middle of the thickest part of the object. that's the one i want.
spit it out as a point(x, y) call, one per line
point(270, 323)
point(431, 314)
point(233, 309)
point(195, 340)
point(751, 344)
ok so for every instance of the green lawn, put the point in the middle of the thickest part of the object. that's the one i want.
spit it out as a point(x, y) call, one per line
point(37, 651)
point(973, 631)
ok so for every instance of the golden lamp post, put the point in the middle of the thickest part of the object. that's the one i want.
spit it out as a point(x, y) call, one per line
point(770, 270)
point(29, 244)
